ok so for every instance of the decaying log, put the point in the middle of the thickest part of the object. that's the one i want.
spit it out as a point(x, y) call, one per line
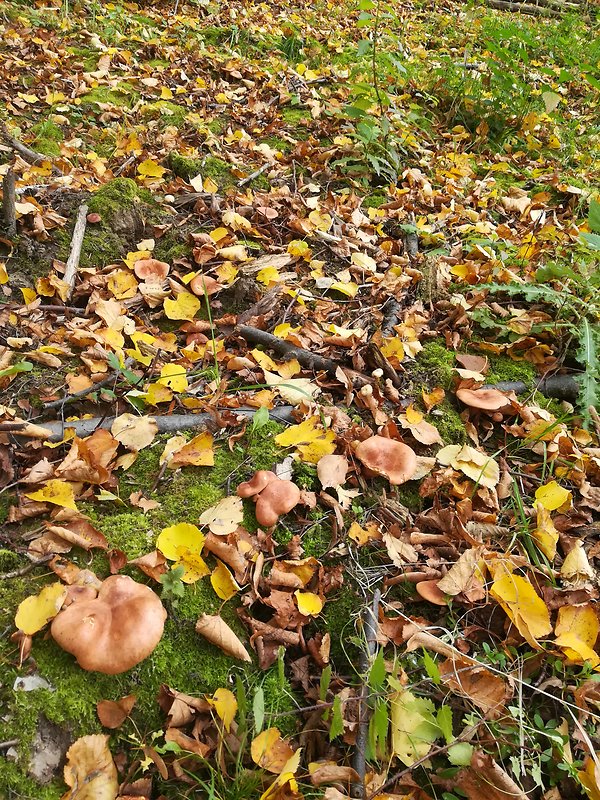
point(75, 252)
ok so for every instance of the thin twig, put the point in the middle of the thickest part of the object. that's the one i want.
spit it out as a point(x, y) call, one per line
point(359, 761)
point(72, 398)
point(256, 174)
point(17, 573)
point(9, 743)
point(8, 203)
point(29, 155)
point(75, 253)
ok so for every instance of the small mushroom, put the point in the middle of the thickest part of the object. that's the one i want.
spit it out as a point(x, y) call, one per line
point(204, 284)
point(151, 270)
point(277, 498)
point(484, 399)
point(114, 631)
point(256, 483)
point(395, 461)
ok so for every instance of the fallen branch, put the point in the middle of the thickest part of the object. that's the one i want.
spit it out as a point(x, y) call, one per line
point(29, 155)
point(55, 431)
point(359, 761)
point(256, 174)
point(75, 252)
point(522, 8)
point(8, 203)
point(72, 398)
point(304, 357)
point(17, 573)
point(560, 387)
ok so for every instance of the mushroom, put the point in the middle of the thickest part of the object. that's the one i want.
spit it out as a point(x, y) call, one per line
point(395, 461)
point(278, 497)
point(151, 270)
point(484, 399)
point(204, 284)
point(114, 631)
point(256, 483)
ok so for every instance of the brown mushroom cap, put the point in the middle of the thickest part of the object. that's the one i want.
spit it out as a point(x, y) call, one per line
point(204, 283)
point(114, 631)
point(395, 461)
point(277, 498)
point(256, 483)
point(152, 270)
point(485, 399)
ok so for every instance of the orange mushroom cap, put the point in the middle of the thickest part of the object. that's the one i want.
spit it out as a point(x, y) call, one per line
point(395, 461)
point(150, 269)
point(114, 631)
point(256, 483)
point(205, 284)
point(277, 498)
point(485, 399)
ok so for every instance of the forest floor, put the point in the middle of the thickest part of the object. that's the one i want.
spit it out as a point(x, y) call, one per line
point(305, 226)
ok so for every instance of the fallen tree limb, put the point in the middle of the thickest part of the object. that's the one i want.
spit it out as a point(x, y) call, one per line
point(359, 760)
point(304, 357)
point(522, 8)
point(29, 155)
point(560, 387)
point(72, 398)
point(8, 203)
point(55, 431)
point(75, 252)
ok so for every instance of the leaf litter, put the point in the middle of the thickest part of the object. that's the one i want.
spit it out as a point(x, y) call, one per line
point(357, 249)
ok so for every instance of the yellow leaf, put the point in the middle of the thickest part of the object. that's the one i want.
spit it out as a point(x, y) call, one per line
point(345, 287)
point(150, 169)
point(393, 349)
point(289, 368)
point(300, 249)
point(577, 629)
point(223, 582)
point(553, 496)
point(122, 284)
point(38, 609)
point(476, 465)
point(59, 493)
point(173, 376)
point(363, 535)
point(263, 360)
point(523, 606)
point(183, 544)
point(29, 295)
point(413, 726)
point(268, 276)
point(224, 517)
point(292, 390)
point(226, 272)
point(158, 393)
point(134, 432)
point(218, 234)
point(198, 452)
point(166, 93)
point(236, 252)
point(322, 222)
point(363, 261)
point(225, 704)
point(185, 306)
point(3, 273)
point(284, 330)
point(309, 603)
point(311, 439)
point(210, 186)
point(545, 534)
point(413, 416)
point(270, 751)
point(236, 222)
point(90, 770)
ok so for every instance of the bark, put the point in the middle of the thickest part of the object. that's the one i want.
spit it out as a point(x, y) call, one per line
point(75, 253)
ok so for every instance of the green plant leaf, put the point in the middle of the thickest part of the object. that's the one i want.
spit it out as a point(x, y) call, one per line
point(431, 668)
point(337, 721)
point(460, 754)
point(377, 672)
point(324, 683)
point(592, 239)
point(594, 216)
point(14, 369)
point(444, 721)
point(588, 337)
point(258, 709)
point(260, 419)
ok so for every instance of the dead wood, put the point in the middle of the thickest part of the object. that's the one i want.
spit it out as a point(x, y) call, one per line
point(75, 252)
point(8, 203)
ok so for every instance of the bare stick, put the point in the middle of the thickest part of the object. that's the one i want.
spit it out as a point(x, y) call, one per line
point(54, 431)
point(289, 351)
point(72, 398)
point(359, 762)
point(17, 573)
point(8, 203)
point(256, 174)
point(25, 152)
point(74, 255)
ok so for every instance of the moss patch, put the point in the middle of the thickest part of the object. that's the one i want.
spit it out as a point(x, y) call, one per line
point(434, 366)
point(338, 618)
point(208, 167)
point(504, 368)
point(123, 96)
point(47, 138)
point(294, 116)
point(172, 113)
point(447, 420)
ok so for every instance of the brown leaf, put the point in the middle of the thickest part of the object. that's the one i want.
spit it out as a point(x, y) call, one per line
point(332, 471)
point(218, 632)
point(112, 714)
point(485, 778)
point(138, 500)
point(153, 564)
point(332, 773)
point(486, 690)
point(90, 770)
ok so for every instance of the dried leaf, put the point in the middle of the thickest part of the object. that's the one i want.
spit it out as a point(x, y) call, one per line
point(218, 632)
point(90, 770)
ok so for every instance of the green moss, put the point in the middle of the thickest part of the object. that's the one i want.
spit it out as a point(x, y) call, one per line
point(294, 116)
point(504, 368)
point(280, 703)
point(9, 561)
point(408, 495)
point(123, 96)
point(375, 200)
point(447, 420)
point(17, 784)
point(434, 366)
point(338, 618)
point(278, 144)
point(208, 167)
point(113, 197)
point(316, 540)
point(47, 138)
point(7, 499)
point(173, 113)
point(305, 475)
